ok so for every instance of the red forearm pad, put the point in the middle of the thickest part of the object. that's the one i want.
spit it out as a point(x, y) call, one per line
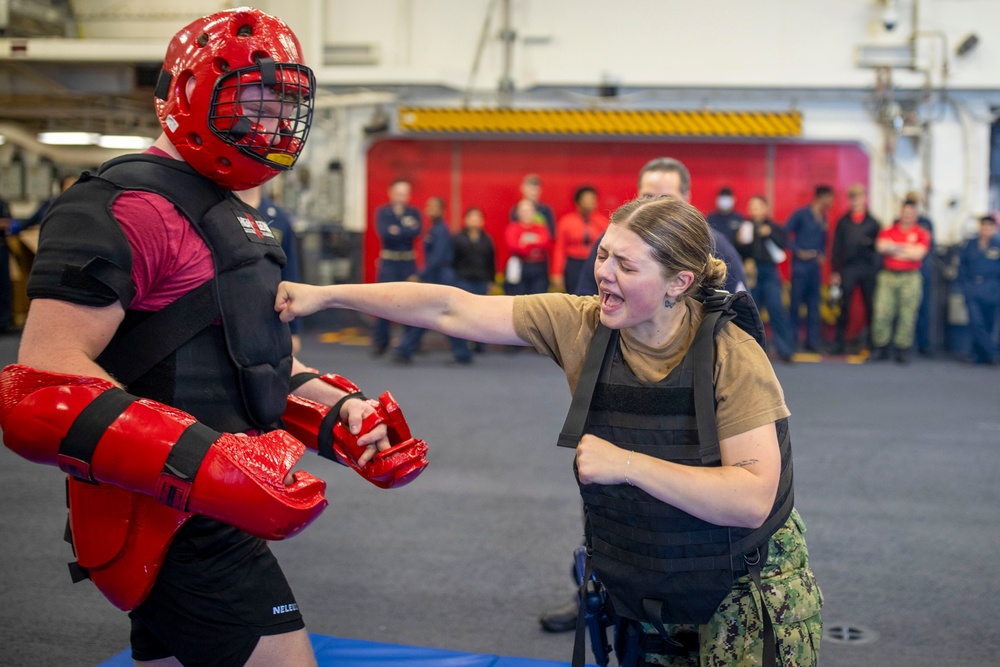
point(240, 479)
point(394, 467)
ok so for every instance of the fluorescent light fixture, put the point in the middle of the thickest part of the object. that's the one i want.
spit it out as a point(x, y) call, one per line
point(68, 138)
point(3, 140)
point(125, 141)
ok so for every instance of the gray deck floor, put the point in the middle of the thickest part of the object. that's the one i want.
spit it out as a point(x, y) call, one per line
point(896, 476)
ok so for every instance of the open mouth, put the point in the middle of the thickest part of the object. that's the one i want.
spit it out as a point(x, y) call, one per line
point(610, 300)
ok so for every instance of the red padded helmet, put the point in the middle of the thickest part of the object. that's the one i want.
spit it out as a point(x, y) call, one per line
point(249, 110)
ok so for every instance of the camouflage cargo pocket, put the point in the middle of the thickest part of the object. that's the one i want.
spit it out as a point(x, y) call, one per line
point(790, 589)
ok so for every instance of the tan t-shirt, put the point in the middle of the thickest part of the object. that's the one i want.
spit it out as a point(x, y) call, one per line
point(747, 392)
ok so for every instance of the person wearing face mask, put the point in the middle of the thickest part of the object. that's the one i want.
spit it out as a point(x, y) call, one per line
point(725, 219)
point(688, 498)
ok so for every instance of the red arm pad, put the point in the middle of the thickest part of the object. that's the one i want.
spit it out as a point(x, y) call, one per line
point(240, 480)
point(319, 427)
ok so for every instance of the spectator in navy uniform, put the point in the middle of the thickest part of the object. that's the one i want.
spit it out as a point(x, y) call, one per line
point(979, 278)
point(398, 225)
point(667, 176)
point(6, 285)
point(766, 247)
point(475, 258)
point(725, 219)
point(10, 227)
point(854, 262)
point(438, 257)
point(43, 208)
point(807, 230)
point(280, 223)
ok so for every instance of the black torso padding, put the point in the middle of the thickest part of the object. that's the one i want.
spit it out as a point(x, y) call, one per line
point(232, 377)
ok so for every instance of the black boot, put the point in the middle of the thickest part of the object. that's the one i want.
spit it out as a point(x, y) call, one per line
point(880, 353)
point(561, 619)
point(901, 356)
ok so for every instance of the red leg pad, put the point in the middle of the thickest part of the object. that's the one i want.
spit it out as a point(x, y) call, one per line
point(121, 537)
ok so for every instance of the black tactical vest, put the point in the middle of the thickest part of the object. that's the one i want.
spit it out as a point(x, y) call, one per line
point(232, 377)
point(657, 562)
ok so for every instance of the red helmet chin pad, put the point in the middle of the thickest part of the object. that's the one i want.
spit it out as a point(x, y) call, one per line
point(247, 114)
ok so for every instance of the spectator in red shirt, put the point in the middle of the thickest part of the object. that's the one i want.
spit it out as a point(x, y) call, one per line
point(528, 241)
point(576, 234)
point(898, 286)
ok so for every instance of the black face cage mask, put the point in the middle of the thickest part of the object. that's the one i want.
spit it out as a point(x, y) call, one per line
point(238, 121)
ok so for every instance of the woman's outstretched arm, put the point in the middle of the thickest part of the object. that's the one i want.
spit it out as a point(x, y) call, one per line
point(451, 311)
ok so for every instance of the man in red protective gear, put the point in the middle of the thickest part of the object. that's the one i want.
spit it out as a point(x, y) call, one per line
point(155, 372)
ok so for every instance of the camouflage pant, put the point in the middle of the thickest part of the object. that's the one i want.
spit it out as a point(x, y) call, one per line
point(897, 297)
point(734, 635)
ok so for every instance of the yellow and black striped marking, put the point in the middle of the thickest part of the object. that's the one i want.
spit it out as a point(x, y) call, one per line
point(427, 120)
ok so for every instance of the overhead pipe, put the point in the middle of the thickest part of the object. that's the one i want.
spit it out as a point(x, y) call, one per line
point(76, 155)
point(505, 89)
point(56, 49)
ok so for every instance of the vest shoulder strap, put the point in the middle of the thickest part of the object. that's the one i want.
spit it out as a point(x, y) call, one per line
point(174, 180)
point(602, 346)
point(703, 381)
point(719, 307)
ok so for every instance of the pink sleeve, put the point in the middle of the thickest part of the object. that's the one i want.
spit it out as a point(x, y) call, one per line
point(142, 220)
point(169, 258)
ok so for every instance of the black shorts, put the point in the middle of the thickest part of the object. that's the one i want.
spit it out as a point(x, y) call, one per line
point(220, 590)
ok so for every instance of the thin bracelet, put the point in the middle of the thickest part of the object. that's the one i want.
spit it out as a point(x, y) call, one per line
point(626, 469)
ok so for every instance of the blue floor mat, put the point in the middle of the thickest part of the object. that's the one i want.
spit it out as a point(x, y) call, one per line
point(331, 651)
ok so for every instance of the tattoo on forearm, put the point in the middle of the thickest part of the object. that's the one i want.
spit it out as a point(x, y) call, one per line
point(746, 463)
